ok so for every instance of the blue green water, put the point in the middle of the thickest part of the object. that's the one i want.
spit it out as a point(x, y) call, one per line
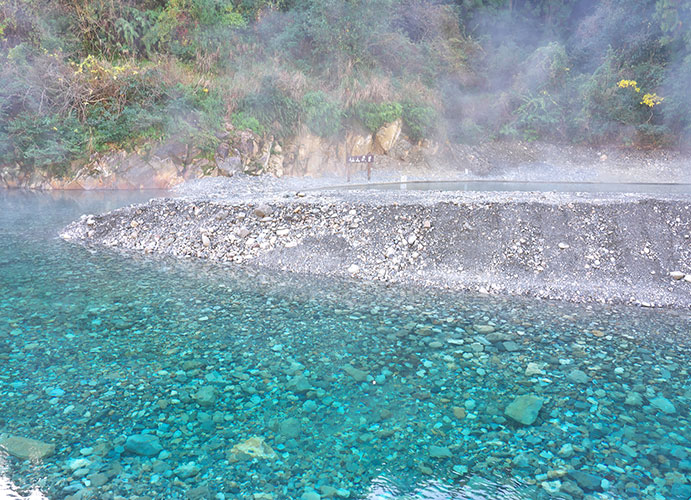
point(357, 391)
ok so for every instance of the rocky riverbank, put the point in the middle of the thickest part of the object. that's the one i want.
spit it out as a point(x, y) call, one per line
point(607, 248)
point(163, 166)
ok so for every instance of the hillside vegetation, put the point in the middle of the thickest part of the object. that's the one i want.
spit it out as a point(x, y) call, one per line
point(80, 77)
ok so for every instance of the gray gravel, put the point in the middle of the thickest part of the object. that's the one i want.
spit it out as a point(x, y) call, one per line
point(579, 247)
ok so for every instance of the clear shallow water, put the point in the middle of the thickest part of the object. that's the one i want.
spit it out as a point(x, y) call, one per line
point(360, 391)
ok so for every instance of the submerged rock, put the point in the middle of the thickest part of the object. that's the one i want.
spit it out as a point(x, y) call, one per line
point(254, 447)
point(143, 444)
point(357, 374)
point(185, 471)
point(310, 495)
point(578, 377)
point(633, 399)
point(299, 384)
point(206, 396)
point(534, 369)
point(663, 404)
point(586, 480)
point(26, 448)
point(98, 479)
point(524, 409)
point(440, 452)
point(290, 427)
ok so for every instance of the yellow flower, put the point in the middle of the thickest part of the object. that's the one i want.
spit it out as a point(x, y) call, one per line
point(205, 90)
point(651, 100)
point(629, 83)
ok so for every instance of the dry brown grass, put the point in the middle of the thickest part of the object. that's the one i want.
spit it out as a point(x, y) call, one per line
point(416, 91)
point(238, 84)
point(373, 88)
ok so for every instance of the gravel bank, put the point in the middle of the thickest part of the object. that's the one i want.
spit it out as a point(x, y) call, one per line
point(597, 247)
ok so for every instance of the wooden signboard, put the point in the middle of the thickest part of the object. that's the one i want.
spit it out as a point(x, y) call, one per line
point(368, 159)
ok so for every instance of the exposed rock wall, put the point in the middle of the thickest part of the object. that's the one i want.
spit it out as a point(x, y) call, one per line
point(170, 164)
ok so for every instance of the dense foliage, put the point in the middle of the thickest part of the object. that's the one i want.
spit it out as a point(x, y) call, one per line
point(81, 77)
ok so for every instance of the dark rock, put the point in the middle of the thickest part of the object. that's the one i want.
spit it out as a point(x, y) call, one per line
point(586, 480)
point(681, 491)
point(290, 428)
point(143, 444)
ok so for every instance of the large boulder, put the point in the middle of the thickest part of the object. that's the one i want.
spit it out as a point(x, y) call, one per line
point(386, 137)
point(524, 409)
point(143, 444)
point(26, 448)
point(359, 142)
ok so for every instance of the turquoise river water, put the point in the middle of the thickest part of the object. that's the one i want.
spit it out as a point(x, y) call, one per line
point(177, 379)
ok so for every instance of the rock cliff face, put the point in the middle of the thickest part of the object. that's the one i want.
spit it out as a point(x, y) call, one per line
point(170, 164)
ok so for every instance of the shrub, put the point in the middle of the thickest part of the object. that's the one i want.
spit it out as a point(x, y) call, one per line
point(194, 114)
point(273, 109)
point(420, 120)
point(337, 37)
point(321, 115)
point(538, 116)
point(244, 121)
point(110, 128)
point(375, 116)
point(196, 31)
point(47, 142)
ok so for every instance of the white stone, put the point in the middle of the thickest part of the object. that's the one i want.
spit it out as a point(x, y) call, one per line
point(534, 369)
point(563, 245)
point(552, 487)
point(354, 269)
point(78, 463)
point(677, 275)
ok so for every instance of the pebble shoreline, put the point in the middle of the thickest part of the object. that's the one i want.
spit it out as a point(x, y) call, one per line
point(576, 247)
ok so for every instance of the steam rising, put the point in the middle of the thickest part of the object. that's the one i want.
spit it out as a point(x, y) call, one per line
point(521, 69)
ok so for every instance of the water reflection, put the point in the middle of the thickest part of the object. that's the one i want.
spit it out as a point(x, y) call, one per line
point(385, 487)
